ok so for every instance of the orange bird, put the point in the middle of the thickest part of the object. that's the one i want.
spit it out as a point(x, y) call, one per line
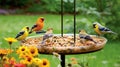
point(38, 26)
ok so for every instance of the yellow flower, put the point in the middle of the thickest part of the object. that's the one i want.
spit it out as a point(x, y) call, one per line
point(45, 63)
point(73, 59)
point(22, 49)
point(37, 61)
point(3, 52)
point(29, 60)
point(9, 50)
point(74, 62)
point(10, 40)
point(23, 62)
point(5, 59)
point(33, 50)
point(12, 58)
point(23, 55)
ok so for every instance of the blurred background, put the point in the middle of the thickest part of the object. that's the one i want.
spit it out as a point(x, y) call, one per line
point(106, 12)
point(14, 14)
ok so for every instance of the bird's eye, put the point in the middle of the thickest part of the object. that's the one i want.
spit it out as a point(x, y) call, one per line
point(79, 30)
point(27, 28)
point(94, 25)
point(42, 19)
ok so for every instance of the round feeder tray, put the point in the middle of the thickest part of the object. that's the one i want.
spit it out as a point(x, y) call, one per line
point(65, 44)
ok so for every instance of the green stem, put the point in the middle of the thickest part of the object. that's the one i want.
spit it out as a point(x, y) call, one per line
point(1, 61)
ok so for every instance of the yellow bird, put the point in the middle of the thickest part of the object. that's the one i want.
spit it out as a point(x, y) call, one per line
point(22, 34)
point(99, 29)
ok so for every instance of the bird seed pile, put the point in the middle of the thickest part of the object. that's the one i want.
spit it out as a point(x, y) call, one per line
point(65, 41)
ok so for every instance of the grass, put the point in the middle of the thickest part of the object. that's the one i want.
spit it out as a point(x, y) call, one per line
point(10, 25)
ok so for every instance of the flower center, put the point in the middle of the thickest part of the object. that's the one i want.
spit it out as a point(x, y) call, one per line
point(44, 63)
point(23, 49)
point(10, 42)
point(32, 51)
point(29, 59)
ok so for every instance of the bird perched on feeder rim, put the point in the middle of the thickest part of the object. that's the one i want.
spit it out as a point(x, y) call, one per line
point(48, 34)
point(84, 36)
point(38, 26)
point(99, 29)
point(22, 34)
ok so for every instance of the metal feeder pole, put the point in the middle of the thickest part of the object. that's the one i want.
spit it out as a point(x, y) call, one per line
point(74, 21)
point(62, 18)
point(63, 55)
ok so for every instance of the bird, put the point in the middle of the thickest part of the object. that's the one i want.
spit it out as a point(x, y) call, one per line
point(99, 29)
point(48, 34)
point(38, 26)
point(22, 34)
point(84, 36)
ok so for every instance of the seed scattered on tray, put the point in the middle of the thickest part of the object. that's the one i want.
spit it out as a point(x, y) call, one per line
point(64, 41)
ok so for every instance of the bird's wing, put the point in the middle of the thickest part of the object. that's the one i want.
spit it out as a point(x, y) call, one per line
point(33, 26)
point(20, 33)
point(47, 36)
point(104, 29)
point(82, 35)
point(88, 37)
point(101, 28)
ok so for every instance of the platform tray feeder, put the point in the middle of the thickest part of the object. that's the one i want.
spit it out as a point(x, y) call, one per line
point(65, 44)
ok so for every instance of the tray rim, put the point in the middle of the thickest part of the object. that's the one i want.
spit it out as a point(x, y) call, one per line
point(89, 50)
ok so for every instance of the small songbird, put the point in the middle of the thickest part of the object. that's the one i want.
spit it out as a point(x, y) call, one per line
point(22, 34)
point(38, 26)
point(48, 34)
point(99, 29)
point(83, 35)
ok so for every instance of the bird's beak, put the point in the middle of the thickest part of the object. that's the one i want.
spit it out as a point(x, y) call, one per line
point(42, 19)
point(79, 31)
point(94, 25)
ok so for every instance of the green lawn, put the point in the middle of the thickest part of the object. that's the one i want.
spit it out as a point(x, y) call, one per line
point(10, 25)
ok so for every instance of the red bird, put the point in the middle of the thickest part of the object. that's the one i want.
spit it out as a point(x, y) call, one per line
point(38, 26)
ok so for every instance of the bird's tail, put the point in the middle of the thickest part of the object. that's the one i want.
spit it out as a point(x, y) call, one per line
point(94, 41)
point(114, 33)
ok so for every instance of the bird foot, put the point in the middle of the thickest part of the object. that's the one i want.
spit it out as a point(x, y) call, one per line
point(39, 32)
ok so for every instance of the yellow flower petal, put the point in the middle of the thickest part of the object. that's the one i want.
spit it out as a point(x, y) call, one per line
point(37, 61)
point(22, 49)
point(10, 40)
point(4, 52)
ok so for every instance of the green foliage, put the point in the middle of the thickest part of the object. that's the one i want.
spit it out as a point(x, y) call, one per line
point(68, 6)
point(81, 23)
point(15, 3)
point(50, 6)
point(36, 8)
point(105, 12)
